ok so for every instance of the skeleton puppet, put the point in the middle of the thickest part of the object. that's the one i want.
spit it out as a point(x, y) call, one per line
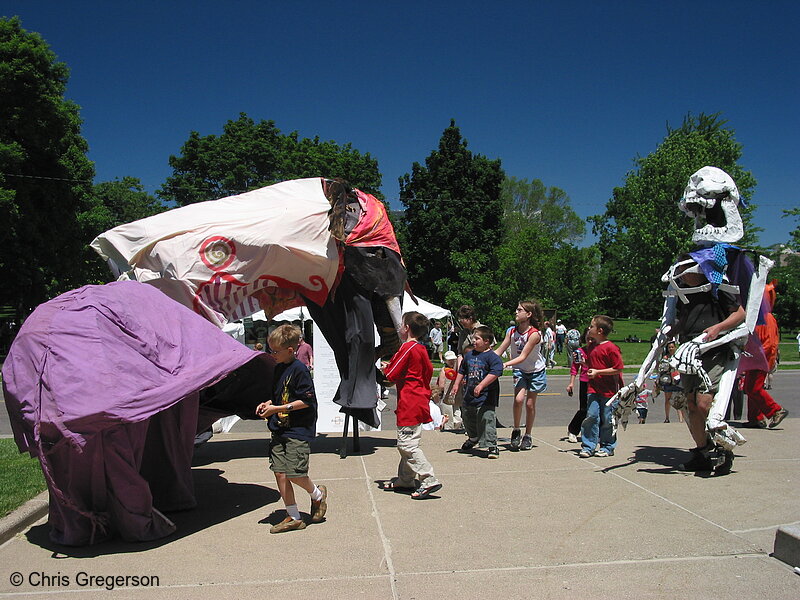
point(713, 267)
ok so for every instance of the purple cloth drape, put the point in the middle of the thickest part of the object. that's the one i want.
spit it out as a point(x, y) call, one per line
point(101, 384)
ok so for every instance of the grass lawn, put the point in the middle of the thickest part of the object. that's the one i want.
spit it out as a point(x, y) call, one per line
point(633, 353)
point(20, 477)
point(789, 351)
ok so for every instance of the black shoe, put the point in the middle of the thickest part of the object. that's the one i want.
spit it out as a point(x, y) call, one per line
point(516, 436)
point(493, 452)
point(727, 464)
point(468, 445)
point(698, 462)
point(527, 442)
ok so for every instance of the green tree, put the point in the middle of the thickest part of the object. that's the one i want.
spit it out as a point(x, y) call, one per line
point(532, 264)
point(125, 201)
point(249, 155)
point(116, 202)
point(533, 203)
point(794, 243)
point(538, 258)
point(642, 230)
point(787, 305)
point(45, 176)
point(787, 272)
point(477, 286)
point(452, 205)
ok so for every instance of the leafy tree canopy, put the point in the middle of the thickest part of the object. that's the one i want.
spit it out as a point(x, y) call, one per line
point(532, 259)
point(794, 242)
point(125, 200)
point(249, 155)
point(116, 202)
point(533, 203)
point(642, 230)
point(45, 176)
point(452, 205)
point(787, 305)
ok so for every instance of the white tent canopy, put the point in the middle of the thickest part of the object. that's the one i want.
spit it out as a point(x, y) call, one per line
point(428, 309)
point(301, 313)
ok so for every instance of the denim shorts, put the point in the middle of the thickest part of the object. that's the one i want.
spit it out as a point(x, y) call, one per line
point(533, 382)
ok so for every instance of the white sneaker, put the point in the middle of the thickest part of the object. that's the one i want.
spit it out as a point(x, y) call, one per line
point(572, 438)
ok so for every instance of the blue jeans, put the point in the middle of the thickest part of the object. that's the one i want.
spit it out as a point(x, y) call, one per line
point(598, 421)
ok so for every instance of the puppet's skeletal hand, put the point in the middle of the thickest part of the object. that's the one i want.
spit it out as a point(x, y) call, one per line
point(625, 396)
point(622, 404)
point(687, 358)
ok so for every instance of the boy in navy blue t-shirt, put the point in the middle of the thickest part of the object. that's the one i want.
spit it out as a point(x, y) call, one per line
point(480, 370)
point(292, 419)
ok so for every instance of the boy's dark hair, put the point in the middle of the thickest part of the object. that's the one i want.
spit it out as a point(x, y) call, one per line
point(533, 307)
point(604, 323)
point(466, 312)
point(484, 332)
point(417, 323)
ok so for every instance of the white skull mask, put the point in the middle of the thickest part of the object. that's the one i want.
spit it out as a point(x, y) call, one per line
point(711, 197)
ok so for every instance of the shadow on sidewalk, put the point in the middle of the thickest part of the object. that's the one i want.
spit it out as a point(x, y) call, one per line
point(220, 450)
point(668, 457)
point(330, 443)
point(218, 501)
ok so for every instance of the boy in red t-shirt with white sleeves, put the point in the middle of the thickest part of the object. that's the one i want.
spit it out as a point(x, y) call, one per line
point(411, 369)
point(604, 361)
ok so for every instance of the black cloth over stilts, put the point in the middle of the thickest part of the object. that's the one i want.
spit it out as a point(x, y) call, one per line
point(346, 321)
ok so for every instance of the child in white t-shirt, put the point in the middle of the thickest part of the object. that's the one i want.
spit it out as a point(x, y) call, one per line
point(642, 402)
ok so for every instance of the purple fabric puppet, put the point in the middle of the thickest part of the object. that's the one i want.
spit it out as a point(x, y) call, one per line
point(102, 385)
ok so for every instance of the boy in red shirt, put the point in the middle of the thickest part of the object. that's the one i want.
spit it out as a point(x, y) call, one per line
point(411, 369)
point(604, 361)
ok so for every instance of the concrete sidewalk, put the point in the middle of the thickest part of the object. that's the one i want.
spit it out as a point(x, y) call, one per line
point(538, 524)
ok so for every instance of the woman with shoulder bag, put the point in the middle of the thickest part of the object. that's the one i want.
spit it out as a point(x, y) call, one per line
point(668, 381)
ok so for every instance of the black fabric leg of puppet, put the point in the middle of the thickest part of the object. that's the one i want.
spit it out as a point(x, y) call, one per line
point(167, 458)
point(348, 326)
point(239, 392)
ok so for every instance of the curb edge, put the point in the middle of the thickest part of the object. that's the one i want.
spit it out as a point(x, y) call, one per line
point(21, 518)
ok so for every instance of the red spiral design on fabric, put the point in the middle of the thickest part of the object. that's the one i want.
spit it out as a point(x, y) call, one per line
point(217, 252)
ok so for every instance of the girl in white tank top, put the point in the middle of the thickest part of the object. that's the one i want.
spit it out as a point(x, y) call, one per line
point(535, 361)
point(530, 377)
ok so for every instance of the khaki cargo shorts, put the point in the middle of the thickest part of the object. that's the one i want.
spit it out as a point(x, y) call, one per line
point(289, 456)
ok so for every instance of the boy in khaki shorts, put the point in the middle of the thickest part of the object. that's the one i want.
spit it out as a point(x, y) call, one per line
point(292, 419)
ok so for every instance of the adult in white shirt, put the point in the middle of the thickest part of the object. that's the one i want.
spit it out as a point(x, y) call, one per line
point(437, 341)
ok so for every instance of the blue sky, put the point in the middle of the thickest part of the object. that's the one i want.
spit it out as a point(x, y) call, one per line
point(568, 92)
